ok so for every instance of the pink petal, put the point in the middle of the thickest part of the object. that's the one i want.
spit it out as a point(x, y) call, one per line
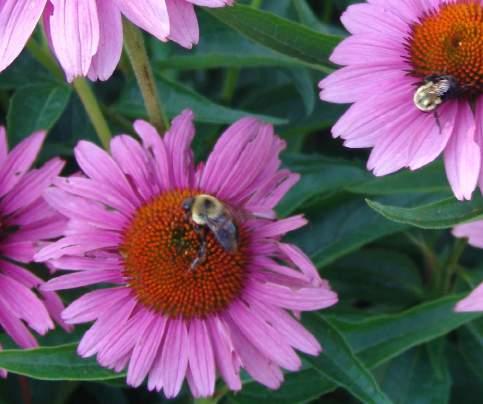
point(369, 48)
point(14, 327)
point(178, 145)
point(462, 155)
point(83, 278)
point(145, 350)
point(183, 23)
point(93, 304)
point(96, 191)
point(19, 161)
point(121, 343)
point(18, 19)
point(259, 367)
point(293, 299)
point(99, 166)
point(263, 336)
point(201, 359)
point(290, 329)
point(133, 161)
point(74, 28)
point(212, 3)
point(81, 209)
point(170, 369)
point(241, 156)
point(109, 51)
point(367, 18)
point(99, 334)
point(3, 144)
point(25, 305)
point(473, 302)
point(157, 149)
point(150, 15)
point(227, 361)
point(31, 186)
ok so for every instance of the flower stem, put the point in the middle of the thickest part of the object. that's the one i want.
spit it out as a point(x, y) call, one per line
point(256, 3)
point(93, 110)
point(44, 58)
point(229, 86)
point(85, 93)
point(452, 263)
point(138, 56)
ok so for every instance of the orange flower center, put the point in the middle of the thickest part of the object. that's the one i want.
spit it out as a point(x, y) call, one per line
point(449, 41)
point(159, 247)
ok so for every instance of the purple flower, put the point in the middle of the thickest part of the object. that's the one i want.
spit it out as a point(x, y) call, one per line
point(170, 315)
point(86, 35)
point(474, 232)
point(26, 222)
point(395, 48)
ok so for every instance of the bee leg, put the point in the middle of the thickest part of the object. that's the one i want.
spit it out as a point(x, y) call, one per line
point(202, 250)
point(438, 122)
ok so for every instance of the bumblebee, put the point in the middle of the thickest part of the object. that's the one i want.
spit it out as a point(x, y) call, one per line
point(434, 91)
point(208, 213)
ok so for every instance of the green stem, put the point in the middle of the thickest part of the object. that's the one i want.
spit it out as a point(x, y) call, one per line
point(229, 86)
point(452, 263)
point(232, 74)
point(84, 91)
point(44, 58)
point(432, 268)
point(93, 110)
point(138, 56)
point(327, 14)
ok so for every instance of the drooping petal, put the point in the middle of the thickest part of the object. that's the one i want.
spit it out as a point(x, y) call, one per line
point(462, 156)
point(18, 19)
point(183, 23)
point(150, 15)
point(473, 302)
point(74, 30)
point(109, 50)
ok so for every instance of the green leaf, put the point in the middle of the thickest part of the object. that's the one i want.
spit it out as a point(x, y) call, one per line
point(287, 37)
point(305, 87)
point(177, 97)
point(380, 338)
point(59, 362)
point(429, 179)
point(36, 106)
point(299, 387)
point(339, 364)
point(320, 175)
point(377, 276)
point(334, 231)
point(420, 375)
point(441, 214)
point(219, 46)
point(470, 345)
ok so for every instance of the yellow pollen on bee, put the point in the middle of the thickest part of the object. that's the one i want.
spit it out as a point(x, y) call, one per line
point(158, 249)
point(449, 41)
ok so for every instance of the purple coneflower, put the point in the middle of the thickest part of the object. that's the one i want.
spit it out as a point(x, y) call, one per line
point(170, 315)
point(86, 35)
point(26, 222)
point(474, 232)
point(413, 70)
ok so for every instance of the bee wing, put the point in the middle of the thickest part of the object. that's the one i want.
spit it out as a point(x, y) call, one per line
point(225, 231)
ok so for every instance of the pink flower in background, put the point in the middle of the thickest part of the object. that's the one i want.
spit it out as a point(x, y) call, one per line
point(182, 305)
point(395, 48)
point(25, 222)
point(86, 35)
point(474, 232)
